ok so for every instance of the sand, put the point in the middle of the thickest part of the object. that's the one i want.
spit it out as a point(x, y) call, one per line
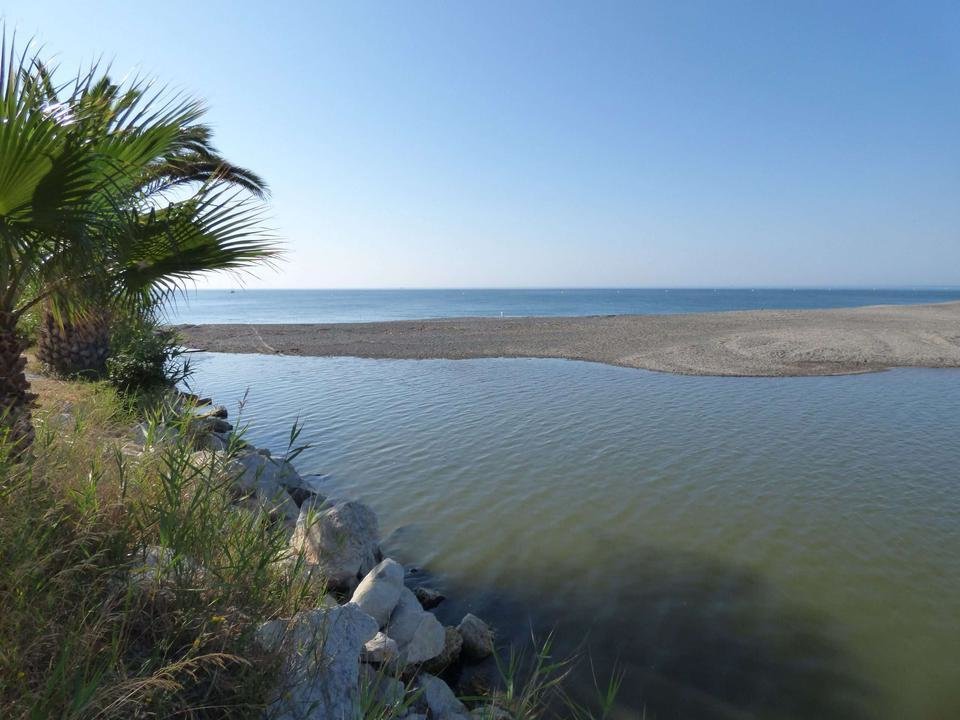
point(745, 343)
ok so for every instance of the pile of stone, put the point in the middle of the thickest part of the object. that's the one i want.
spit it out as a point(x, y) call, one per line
point(375, 641)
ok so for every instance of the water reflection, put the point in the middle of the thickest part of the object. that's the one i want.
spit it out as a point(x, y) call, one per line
point(694, 637)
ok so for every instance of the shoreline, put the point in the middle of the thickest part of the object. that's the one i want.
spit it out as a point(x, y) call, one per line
point(740, 343)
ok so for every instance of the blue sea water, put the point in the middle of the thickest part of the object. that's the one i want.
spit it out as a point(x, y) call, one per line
point(336, 306)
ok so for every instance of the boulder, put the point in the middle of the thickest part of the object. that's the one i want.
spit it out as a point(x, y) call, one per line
point(477, 637)
point(254, 467)
point(320, 672)
point(428, 597)
point(302, 495)
point(480, 679)
point(379, 591)
point(437, 699)
point(452, 643)
point(218, 411)
point(342, 540)
point(418, 633)
point(427, 641)
point(405, 618)
point(212, 441)
point(380, 692)
point(214, 424)
point(380, 649)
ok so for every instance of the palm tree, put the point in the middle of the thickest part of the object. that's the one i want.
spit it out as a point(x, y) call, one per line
point(81, 346)
point(74, 212)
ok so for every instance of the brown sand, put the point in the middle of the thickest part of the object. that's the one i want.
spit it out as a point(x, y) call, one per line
point(755, 342)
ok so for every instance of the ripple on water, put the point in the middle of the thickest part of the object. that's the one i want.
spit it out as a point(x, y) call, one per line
point(768, 547)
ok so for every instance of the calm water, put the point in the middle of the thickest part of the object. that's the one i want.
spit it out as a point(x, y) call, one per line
point(309, 306)
point(771, 548)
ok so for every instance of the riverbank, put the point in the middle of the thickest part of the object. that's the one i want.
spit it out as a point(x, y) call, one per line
point(156, 563)
point(748, 343)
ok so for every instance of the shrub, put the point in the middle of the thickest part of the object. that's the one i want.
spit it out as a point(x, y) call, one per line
point(145, 356)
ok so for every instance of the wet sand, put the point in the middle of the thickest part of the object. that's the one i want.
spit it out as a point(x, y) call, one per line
point(746, 343)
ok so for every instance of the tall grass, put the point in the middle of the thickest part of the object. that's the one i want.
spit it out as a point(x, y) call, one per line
point(96, 621)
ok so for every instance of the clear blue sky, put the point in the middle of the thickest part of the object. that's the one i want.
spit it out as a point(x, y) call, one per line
point(523, 144)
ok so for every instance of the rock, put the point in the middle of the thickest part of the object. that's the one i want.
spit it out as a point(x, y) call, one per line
point(405, 618)
point(380, 649)
point(378, 593)
point(320, 673)
point(150, 434)
point(437, 698)
point(219, 411)
point(212, 424)
point(452, 643)
point(261, 480)
point(477, 637)
point(343, 540)
point(418, 633)
point(480, 679)
point(427, 641)
point(302, 495)
point(254, 467)
point(212, 441)
point(428, 597)
point(380, 693)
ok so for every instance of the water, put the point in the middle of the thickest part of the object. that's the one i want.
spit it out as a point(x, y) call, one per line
point(315, 306)
point(768, 547)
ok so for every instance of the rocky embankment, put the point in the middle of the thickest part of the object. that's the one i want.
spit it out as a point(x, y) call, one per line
point(373, 641)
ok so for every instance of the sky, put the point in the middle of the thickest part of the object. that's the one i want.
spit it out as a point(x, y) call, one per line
point(554, 144)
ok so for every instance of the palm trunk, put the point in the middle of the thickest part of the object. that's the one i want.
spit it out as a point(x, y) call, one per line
point(16, 428)
point(80, 347)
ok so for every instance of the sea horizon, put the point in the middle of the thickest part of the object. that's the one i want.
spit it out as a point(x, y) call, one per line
point(317, 306)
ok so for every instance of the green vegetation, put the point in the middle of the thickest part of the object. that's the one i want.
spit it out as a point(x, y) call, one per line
point(96, 621)
point(110, 198)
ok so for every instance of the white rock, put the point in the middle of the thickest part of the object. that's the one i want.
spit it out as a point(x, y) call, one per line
point(341, 540)
point(440, 702)
point(477, 637)
point(427, 642)
point(405, 618)
point(380, 649)
point(320, 672)
point(418, 633)
point(379, 591)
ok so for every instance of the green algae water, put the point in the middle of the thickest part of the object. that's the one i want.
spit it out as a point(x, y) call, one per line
point(737, 547)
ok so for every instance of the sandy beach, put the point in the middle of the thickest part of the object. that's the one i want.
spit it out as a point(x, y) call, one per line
point(750, 343)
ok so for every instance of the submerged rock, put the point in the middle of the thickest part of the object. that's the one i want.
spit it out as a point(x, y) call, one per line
point(452, 643)
point(342, 540)
point(320, 673)
point(428, 597)
point(477, 637)
point(378, 593)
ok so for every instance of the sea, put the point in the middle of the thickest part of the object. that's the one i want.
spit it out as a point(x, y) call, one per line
point(349, 306)
point(726, 547)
